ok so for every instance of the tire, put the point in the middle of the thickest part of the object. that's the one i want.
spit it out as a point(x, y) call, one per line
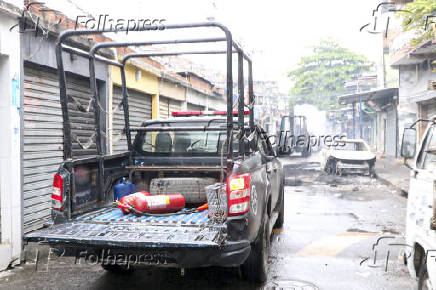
point(328, 168)
point(372, 172)
point(331, 167)
point(255, 268)
point(423, 279)
point(192, 188)
point(281, 218)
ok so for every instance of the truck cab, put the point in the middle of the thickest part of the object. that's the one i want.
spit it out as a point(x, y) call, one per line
point(421, 204)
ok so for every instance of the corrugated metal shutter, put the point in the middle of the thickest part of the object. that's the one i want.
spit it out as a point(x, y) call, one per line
point(167, 106)
point(82, 123)
point(43, 138)
point(43, 144)
point(174, 106)
point(192, 107)
point(391, 134)
point(164, 107)
point(139, 111)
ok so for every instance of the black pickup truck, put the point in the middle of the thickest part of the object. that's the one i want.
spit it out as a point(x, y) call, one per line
point(231, 153)
point(83, 226)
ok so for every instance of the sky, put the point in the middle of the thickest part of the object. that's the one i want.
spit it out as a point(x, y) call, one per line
point(276, 33)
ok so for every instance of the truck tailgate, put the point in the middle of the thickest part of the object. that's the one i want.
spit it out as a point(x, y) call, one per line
point(108, 227)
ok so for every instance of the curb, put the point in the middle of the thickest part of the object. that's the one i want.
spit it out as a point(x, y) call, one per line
point(385, 181)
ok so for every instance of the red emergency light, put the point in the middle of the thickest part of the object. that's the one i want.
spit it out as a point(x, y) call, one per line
point(205, 113)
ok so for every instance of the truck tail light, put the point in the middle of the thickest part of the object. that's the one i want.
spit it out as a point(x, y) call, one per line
point(238, 194)
point(57, 192)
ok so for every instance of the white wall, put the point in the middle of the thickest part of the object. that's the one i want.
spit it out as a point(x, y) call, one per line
point(10, 180)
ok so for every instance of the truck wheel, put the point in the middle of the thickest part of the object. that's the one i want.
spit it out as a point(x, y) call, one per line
point(423, 279)
point(281, 218)
point(255, 268)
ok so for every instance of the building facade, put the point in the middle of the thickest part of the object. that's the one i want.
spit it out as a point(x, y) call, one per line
point(11, 106)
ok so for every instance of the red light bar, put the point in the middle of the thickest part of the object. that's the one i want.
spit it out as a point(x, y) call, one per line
point(205, 113)
point(187, 113)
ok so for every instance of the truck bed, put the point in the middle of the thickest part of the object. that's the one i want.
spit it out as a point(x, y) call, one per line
point(110, 214)
point(109, 226)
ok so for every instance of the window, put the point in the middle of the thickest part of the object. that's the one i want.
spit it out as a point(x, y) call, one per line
point(429, 152)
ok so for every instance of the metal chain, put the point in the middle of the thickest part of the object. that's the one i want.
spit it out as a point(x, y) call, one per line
point(250, 105)
point(84, 145)
point(79, 105)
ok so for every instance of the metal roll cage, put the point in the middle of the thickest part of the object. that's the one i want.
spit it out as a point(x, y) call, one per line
point(231, 47)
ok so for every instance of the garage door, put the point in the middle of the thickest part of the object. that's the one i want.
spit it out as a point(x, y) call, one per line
point(167, 106)
point(43, 137)
point(139, 111)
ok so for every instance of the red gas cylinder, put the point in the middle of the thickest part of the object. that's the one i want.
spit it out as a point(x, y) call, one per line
point(158, 203)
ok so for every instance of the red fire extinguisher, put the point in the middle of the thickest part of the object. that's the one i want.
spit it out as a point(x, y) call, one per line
point(158, 203)
point(125, 203)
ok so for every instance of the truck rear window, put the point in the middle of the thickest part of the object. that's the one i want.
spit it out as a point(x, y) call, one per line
point(180, 142)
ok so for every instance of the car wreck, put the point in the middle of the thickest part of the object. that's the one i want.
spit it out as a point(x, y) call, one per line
point(349, 156)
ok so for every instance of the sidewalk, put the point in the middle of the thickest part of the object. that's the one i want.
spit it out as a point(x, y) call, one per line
point(392, 172)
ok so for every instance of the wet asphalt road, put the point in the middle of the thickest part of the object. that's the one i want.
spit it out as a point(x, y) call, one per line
point(331, 225)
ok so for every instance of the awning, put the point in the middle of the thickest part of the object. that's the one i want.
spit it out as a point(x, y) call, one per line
point(422, 97)
point(367, 96)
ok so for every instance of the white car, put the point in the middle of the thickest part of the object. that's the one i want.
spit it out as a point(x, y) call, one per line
point(348, 156)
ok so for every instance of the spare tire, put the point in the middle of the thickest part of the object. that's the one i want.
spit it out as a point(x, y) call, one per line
point(192, 188)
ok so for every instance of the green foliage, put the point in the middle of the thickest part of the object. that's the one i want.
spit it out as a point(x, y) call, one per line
point(414, 19)
point(320, 77)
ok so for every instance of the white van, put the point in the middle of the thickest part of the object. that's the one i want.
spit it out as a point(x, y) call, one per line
point(421, 204)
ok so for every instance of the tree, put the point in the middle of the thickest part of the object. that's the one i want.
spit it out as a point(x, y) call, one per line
point(420, 16)
point(320, 77)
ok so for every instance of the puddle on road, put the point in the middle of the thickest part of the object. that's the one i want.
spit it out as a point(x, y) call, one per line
point(289, 284)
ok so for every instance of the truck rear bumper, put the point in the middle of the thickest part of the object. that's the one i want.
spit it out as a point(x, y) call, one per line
point(229, 254)
point(138, 245)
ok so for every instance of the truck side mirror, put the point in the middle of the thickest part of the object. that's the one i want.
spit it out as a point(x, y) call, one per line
point(408, 145)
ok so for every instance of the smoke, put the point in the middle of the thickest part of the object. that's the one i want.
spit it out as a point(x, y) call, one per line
point(316, 119)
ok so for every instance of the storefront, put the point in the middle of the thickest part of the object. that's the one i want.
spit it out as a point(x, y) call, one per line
point(171, 97)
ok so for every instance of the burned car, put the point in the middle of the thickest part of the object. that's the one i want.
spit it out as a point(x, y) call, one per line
point(349, 156)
